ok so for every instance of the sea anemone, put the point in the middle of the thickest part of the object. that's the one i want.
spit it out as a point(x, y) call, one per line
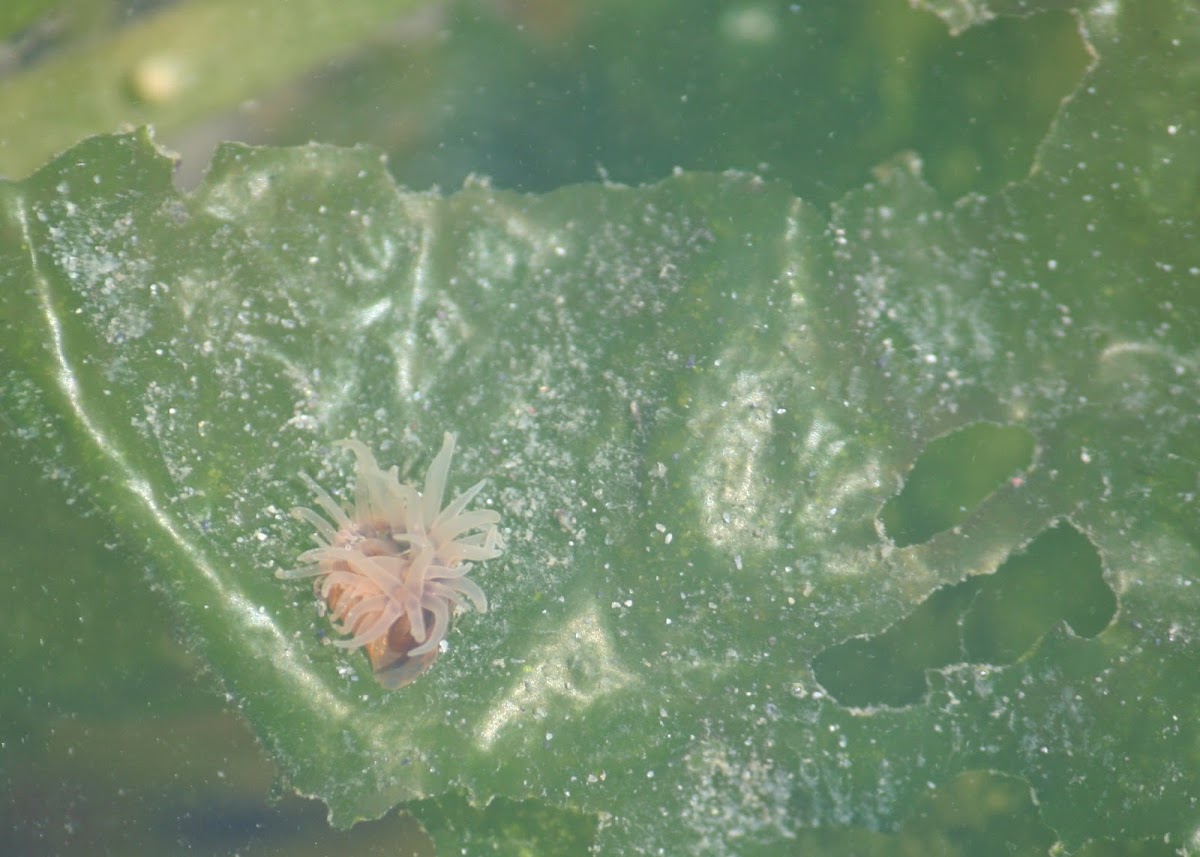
point(393, 568)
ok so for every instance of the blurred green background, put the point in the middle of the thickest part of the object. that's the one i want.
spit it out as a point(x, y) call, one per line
point(122, 744)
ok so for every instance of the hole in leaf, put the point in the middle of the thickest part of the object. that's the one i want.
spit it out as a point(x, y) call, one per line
point(986, 98)
point(889, 669)
point(951, 477)
point(993, 619)
point(1056, 578)
point(980, 813)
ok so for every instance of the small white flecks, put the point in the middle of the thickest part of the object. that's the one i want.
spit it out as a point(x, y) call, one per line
point(1051, 264)
point(1172, 130)
point(931, 359)
point(1085, 456)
